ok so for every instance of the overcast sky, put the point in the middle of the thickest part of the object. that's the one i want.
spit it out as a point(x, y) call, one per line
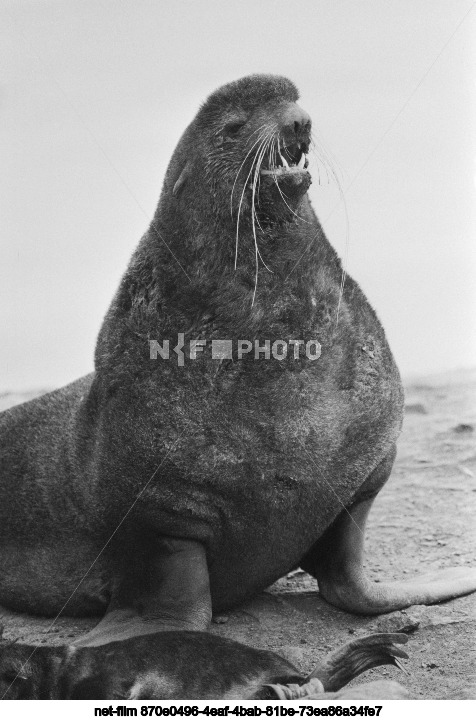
point(95, 95)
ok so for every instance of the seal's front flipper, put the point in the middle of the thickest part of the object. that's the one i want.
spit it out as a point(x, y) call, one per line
point(166, 589)
point(347, 662)
point(336, 560)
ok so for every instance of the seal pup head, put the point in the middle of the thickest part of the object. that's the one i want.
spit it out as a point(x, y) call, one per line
point(16, 672)
point(247, 147)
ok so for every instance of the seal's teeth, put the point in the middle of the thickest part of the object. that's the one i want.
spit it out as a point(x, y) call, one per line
point(302, 161)
point(284, 161)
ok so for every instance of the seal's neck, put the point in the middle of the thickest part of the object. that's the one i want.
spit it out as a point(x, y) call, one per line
point(199, 247)
point(185, 280)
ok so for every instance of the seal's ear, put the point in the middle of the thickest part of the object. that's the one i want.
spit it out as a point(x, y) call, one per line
point(182, 179)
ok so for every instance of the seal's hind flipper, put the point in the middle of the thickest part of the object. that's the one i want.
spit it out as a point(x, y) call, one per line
point(361, 654)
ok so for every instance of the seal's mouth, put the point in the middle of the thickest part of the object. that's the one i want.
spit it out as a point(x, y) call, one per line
point(289, 159)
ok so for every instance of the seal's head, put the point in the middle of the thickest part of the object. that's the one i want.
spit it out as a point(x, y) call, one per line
point(248, 145)
point(16, 672)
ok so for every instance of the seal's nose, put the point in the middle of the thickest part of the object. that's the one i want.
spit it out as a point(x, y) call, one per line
point(296, 123)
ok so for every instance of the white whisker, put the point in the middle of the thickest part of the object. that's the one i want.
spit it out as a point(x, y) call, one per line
point(253, 211)
point(261, 140)
point(260, 137)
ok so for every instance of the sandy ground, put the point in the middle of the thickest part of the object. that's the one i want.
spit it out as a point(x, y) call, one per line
point(421, 521)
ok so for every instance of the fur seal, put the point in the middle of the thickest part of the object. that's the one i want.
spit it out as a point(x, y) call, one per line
point(187, 665)
point(158, 489)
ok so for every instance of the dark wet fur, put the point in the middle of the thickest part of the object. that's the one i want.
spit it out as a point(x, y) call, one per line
point(169, 665)
point(164, 666)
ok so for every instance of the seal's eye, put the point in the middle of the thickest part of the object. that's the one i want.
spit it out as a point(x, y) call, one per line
point(232, 129)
